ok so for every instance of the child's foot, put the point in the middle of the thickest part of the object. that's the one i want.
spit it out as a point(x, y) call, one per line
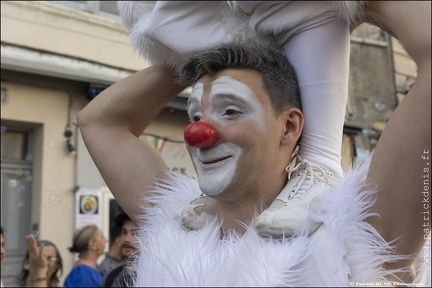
point(289, 212)
point(195, 215)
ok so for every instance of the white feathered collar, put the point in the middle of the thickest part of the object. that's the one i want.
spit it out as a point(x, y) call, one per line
point(344, 250)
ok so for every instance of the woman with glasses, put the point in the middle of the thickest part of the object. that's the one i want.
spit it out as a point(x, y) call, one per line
point(42, 265)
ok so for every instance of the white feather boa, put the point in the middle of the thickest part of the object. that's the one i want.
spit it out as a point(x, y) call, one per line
point(344, 251)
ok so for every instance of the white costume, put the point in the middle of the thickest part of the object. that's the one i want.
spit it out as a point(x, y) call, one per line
point(175, 30)
point(344, 251)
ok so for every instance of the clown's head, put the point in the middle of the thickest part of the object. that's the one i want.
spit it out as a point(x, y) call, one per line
point(245, 114)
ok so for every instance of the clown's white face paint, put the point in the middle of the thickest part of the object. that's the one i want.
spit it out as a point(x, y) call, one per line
point(230, 101)
point(216, 167)
point(194, 102)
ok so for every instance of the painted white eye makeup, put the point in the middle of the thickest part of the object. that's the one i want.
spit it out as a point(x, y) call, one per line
point(228, 93)
point(194, 107)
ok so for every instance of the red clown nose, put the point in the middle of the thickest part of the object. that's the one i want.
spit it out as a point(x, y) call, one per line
point(200, 134)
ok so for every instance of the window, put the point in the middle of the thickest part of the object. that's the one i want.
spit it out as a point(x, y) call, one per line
point(14, 145)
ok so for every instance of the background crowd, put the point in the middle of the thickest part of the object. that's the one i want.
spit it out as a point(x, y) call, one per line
point(42, 265)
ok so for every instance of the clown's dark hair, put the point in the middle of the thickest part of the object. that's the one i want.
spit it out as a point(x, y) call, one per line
point(278, 74)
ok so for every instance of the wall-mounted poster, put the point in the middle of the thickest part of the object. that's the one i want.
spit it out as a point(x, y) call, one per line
point(88, 204)
point(88, 207)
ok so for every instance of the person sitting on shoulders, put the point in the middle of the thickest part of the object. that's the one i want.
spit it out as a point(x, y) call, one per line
point(246, 121)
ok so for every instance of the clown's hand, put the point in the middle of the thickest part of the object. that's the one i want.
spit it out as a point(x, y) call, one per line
point(175, 30)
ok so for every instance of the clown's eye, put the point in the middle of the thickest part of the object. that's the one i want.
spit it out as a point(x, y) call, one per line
point(231, 112)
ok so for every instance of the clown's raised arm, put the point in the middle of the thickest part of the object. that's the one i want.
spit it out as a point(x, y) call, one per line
point(111, 124)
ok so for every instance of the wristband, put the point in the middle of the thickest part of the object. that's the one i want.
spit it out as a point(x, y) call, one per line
point(39, 279)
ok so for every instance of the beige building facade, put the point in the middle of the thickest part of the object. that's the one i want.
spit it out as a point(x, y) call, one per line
point(55, 57)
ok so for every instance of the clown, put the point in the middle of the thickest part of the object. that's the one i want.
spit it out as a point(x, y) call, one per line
point(246, 122)
point(311, 34)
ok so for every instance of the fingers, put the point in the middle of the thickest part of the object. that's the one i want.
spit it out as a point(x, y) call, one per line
point(35, 251)
point(41, 254)
point(32, 245)
point(37, 259)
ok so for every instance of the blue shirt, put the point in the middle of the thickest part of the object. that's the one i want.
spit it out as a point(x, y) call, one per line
point(83, 276)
